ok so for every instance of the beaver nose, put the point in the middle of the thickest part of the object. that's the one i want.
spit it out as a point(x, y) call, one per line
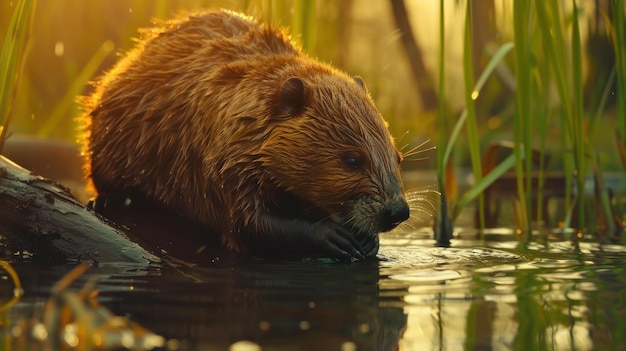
point(395, 213)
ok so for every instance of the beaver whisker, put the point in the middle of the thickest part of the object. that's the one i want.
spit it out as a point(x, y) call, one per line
point(407, 155)
point(350, 222)
point(430, 189)
point(417, 200)
point(419, 217)
point(416, 147)
point(423, 200)
point(429, 211)
point(398, 140)
point(407, 225)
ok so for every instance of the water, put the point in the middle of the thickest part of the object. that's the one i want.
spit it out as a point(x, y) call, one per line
point(496, 294)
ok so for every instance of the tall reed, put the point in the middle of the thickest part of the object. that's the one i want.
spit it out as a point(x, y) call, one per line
point(473, 138)
point(448, 138)
point(523, 118)
point(619, 38)
point(12, 60)
point(566, 68)
point(443, 226)
point(479, 186)
point(556, 60)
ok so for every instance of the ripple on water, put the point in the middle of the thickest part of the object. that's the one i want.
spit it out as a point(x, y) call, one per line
point(425, 271)
point(425, 257)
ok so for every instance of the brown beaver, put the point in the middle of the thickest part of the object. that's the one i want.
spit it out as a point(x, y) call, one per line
point(225, 121)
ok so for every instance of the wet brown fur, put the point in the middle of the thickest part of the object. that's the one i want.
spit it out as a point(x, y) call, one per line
point(203, 117)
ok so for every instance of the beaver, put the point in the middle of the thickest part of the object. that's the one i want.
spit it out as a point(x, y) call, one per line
point(225, 121)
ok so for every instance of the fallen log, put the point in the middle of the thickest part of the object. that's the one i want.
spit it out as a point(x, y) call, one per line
point(40, 219)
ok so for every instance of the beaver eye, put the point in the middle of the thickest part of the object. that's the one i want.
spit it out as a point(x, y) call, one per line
point(352, 161)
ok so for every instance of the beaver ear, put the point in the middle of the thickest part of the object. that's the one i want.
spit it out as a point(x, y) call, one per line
point(294, 97)
point(360, 82)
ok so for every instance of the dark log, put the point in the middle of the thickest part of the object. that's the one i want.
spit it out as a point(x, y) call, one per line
point(40, 218)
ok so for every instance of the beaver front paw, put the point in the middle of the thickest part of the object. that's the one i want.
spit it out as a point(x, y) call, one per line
point(279, 235)
point(369, 242)
point(339, 243)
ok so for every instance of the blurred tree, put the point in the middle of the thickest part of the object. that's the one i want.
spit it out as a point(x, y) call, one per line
point(423, 79)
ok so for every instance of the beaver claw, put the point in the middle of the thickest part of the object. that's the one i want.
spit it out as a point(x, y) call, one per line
point(290, 236)
point(339, 243)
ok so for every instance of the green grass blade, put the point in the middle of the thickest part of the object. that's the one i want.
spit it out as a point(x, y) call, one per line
point(541, 95)
point(458, 126)
point(443, 226)
point(497, 57)
point(608, 87)
point(473, 138)
point(444, 141)
point(10, 51)
point(580, 142)
point(495, 60)
point(603, 201)
point(12, 58)
point(620, 63)
point(480, 186)
point(521, 132)
point(569, 87)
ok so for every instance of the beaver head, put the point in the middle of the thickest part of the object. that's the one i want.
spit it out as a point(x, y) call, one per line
point(345, 166)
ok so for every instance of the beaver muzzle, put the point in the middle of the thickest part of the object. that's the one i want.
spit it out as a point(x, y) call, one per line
point(394, 214)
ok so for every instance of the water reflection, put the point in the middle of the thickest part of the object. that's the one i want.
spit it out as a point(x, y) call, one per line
point(487, 295)
point(551, 297)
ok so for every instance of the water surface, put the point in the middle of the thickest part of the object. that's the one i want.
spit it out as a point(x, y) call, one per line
point(496, 294)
